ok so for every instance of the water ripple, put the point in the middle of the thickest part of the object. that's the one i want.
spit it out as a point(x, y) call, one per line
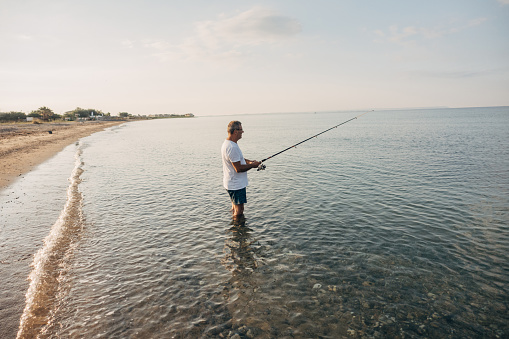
point(391, 227)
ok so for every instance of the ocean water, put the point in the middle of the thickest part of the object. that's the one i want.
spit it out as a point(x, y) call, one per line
point(393, 225)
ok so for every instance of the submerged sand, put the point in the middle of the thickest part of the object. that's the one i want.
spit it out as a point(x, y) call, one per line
point(24, 146)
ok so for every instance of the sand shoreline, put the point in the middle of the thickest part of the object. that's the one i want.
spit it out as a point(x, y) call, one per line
point(24, 146)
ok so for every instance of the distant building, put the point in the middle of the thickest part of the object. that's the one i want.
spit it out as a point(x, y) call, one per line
point(173, 115)
point(96, 116)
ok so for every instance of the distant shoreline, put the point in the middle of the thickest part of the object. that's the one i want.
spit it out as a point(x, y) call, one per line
point(23, 146)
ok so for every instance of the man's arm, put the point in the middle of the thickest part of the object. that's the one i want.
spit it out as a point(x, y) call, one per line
point(244, 168)
point(251, 161)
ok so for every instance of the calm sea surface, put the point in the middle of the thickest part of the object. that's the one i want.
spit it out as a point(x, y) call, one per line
point(393, 225)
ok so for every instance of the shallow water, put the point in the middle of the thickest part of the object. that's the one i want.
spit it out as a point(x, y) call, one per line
point(395, 224)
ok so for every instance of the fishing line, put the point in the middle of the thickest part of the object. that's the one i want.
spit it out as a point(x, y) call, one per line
point(261, 167)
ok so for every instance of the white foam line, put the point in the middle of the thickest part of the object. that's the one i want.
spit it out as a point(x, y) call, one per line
point(49, 260)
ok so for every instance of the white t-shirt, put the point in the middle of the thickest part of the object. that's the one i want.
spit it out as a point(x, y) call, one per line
point(232, 180)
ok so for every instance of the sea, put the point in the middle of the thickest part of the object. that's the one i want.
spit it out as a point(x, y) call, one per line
point(393, 225)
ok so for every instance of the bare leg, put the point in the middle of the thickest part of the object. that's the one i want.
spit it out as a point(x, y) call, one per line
point(238, 210)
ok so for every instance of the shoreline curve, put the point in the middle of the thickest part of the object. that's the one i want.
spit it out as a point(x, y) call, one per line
point(24, 146)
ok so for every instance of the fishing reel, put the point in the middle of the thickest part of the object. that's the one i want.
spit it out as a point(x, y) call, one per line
point(261, 167)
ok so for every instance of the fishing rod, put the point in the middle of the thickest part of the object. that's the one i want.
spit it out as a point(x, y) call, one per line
point(261, 167)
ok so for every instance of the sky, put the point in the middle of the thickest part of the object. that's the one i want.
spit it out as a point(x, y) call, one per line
point(228, 57)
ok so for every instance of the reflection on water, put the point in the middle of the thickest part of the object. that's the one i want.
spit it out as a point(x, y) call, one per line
point(347, 291)
point(393, 227)
point(240, 257)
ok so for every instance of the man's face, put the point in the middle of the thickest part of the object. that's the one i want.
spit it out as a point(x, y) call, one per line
point(239, 132)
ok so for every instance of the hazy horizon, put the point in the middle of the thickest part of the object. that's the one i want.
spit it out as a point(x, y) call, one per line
point(226, 57)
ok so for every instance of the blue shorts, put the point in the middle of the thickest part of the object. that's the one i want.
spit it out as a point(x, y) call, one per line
point(238, 197)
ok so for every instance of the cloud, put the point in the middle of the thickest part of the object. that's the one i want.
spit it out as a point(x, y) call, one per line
point(454, 74)
point(504, 2)
point(408, 35)
point(253, 27)
point(399, 36)
point(230, 36)
point(127, 43)
point(157, 45)
point(24, 37)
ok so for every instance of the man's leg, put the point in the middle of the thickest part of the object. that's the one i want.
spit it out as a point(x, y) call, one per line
point(238, 210)
point(238, 198)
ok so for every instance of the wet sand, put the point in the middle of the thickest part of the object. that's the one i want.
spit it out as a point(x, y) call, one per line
point(24, 146)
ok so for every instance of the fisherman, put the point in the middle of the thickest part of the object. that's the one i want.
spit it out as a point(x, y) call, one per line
point(235, 168)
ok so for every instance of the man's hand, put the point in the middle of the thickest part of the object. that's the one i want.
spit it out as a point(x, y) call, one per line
point(244, 168)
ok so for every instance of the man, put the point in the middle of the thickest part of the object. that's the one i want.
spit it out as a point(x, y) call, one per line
point(235, 168)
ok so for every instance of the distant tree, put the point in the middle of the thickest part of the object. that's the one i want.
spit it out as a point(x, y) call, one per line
point(43, 112)
point(35, 114)
point(81, 113)
point(123, 114)
point(12, 116)
point(86, 113)
point(70, 116)
point(46, 113)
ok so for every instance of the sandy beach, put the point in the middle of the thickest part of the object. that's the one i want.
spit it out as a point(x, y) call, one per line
point(24, 146)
